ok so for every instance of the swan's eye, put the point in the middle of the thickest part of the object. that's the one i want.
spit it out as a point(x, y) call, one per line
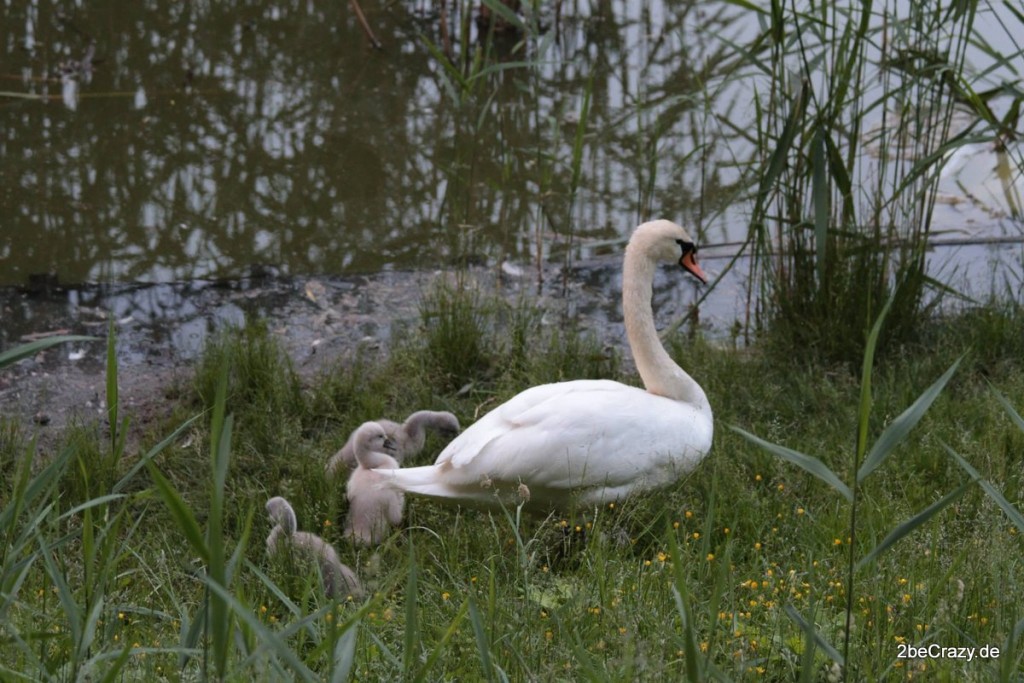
point(687, 247)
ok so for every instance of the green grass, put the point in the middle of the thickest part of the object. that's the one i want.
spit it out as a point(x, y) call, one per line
point(150, 565)
point(170, 580)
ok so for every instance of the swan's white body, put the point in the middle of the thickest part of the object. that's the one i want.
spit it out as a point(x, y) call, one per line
point(586, 442)
point(373, 505)
point(409, 438)
point(339, 580)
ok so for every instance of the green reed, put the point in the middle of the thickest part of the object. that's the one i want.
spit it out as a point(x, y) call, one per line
point(854, 117)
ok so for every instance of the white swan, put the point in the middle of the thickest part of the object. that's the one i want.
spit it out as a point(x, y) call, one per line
point(373, 506)
point(587, 442)
point(339, 580)
point(409, 438)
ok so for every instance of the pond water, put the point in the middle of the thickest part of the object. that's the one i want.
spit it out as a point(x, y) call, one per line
point(154, 142)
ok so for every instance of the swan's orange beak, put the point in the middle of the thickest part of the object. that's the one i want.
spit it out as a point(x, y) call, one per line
point(689, 262)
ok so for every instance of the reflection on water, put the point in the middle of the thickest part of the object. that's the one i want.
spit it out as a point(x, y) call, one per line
point(167, 142)
point(174, 141)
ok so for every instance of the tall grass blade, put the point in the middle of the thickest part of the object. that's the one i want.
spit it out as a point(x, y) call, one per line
point(294, 609)
point(240, 546)
point(679, 594)
point(590, 667)
point(819, 192)
point(11, 356)
point(898, 429)
point(72, 612)
point(112, 395)
point(577, 144)
point(923, 165)
point(807, 463)
point(412, 610)
point(220, 455)
point(812, 632)
point(92, 503)
point(917, 520)
point(11, 674)
point(116, 667)
point(386, 652)
point(190, 634)
point(777, 161)
point(152, 453)
point(42, 483)
point(1008, 407)
point(864, 410)
point(483, 648)
point(345, 654)
point(807, 671)
point(1009, 661)
point(89, 629)
point(840, 177)
point(749, 6)
point(28, 489)
point(88, 554)
point(268, 637)
point(12, 578)
point(180, 511)
point(863, 419)
point(995, 494)
point(438, 649)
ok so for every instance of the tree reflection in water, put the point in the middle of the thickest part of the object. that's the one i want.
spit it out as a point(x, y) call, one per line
point(210, 138)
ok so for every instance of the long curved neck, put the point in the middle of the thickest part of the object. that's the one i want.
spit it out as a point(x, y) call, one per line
point(414, 429)
point(286, 519)
point(660, 374)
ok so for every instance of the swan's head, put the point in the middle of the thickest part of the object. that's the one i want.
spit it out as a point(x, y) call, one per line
point(665, 241)
point(371, 438)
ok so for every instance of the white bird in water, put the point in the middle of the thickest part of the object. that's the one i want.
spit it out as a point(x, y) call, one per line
point(409, 438)
point(586, 442)
point(373, 506)
point(339, 580)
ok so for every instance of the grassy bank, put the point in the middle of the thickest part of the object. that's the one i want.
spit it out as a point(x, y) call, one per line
point(152, 566)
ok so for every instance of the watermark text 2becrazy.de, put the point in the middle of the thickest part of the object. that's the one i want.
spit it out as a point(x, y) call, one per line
point(936, 651)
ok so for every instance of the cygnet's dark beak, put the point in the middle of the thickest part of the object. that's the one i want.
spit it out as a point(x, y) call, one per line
point(390, 447)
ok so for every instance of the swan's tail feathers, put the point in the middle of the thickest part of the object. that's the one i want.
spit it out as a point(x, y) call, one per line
point(421, 481)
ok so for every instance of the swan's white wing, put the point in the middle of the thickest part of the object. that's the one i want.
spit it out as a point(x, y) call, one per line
point(509, 415)
point(577, 435)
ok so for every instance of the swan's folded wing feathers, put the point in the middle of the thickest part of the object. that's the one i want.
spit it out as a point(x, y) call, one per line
point(583, 433)
point(521, 411)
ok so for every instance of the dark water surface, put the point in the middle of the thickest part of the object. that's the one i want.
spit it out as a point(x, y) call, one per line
point(156, 142)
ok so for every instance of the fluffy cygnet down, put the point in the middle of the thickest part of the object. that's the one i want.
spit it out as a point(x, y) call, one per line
point(409, 438)
point(373, 506)
point(339, 580)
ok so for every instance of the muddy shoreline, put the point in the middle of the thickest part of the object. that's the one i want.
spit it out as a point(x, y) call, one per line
point(319, 320)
